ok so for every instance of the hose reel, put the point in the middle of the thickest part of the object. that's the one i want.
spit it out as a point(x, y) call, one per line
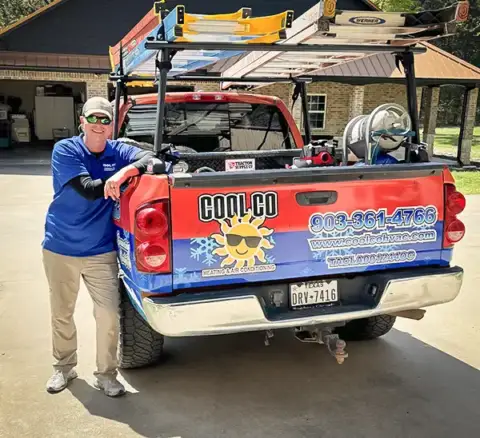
point(384, 130)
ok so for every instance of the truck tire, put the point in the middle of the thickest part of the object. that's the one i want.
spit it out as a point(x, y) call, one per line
point(365, 329)
point(139, 344)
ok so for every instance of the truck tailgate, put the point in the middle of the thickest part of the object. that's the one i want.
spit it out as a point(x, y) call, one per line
point(232, 228)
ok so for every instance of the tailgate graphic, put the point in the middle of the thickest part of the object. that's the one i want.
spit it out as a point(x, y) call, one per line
point(397, 234)
point(251, 235)
point(243, 236)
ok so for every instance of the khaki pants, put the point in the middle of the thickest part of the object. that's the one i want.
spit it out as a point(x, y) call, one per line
point(100, 274)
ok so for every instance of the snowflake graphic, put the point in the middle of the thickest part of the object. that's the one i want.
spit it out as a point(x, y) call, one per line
point(321, 256)
point(209, 260)
point(201, 250)
point(270, 259)
point(206, 243)
point(184, 277)
point(386, 248)
point(180, 272)
point(426, 227)
point(307, 271)
point(196, 253)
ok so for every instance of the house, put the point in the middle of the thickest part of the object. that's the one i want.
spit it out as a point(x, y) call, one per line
point(61, 50)
point(54, 59)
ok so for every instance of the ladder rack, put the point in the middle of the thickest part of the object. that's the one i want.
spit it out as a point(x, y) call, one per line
point(197, 41)
point(178, 26)
point(170, 44)
point(324, 25)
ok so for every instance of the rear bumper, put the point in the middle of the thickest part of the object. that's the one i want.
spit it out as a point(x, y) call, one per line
point(192, 316)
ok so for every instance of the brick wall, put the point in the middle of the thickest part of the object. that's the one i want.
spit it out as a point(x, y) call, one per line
point(96, 84)
point(378, 94)
point(343, 101)
point(205, 86)
point(337, 108)
point(282, 91)
point(356, 101)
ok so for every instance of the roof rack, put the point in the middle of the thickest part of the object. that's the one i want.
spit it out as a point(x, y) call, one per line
point(330, 37)
point(179, 27)
point(329, 27)
point(169, 44)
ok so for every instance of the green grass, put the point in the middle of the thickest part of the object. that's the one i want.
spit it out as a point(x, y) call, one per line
point(467, 183)
point(446, 141)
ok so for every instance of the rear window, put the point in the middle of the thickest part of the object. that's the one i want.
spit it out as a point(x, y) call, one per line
point(209, 127)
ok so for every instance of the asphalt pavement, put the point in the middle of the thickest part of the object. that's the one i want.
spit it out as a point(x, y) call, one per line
point(421, 380)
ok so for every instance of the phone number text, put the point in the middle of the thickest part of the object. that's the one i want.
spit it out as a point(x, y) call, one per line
point(404, 217)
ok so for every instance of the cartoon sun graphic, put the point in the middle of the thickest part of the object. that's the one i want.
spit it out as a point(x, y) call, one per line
point(242, 241)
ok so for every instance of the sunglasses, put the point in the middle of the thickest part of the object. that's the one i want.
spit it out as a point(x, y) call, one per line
point(94, 119)
point(251, 241)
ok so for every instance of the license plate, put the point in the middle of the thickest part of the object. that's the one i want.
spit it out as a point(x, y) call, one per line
point(313, 292)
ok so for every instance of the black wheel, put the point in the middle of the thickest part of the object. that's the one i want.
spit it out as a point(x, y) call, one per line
point(139, 344)
point(365, 329)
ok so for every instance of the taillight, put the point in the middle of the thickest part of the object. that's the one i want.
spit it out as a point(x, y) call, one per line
point(152, 238)
point(454, 229)
point(456, 202)
point(152, 221)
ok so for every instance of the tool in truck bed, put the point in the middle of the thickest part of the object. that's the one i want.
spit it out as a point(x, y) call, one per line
point(242, 224)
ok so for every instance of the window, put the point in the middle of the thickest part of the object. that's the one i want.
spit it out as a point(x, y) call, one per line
point(207, 127)
point(316, 109)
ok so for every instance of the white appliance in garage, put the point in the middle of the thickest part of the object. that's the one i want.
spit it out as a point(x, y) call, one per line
point(54, 113)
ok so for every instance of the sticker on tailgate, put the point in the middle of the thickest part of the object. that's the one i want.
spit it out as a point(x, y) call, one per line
point(242, 239)
point(239, 165)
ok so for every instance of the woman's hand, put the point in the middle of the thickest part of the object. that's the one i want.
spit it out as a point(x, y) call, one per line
point(113, 184)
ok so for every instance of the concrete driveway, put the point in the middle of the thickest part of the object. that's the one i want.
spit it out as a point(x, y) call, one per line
point(421, 380)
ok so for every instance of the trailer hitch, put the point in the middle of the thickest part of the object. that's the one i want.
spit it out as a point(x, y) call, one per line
point(324, 336)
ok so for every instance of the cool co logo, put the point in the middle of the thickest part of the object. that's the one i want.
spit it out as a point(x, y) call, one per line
point(219, 207)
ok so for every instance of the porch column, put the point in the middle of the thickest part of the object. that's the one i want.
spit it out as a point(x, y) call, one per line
point(419, 98)
point(432, 97)
point(356, 101)
point(468, 123)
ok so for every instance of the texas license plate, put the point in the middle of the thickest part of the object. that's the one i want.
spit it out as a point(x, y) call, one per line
point(313, 292)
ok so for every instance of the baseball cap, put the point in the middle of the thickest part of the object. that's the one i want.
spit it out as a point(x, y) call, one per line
point(97, 105)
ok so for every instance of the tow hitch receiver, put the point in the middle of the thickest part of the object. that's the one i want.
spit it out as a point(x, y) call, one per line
point(335, 345)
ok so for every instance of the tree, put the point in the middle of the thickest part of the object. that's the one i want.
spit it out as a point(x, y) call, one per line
point(465, 44)
point(13, 10)
point(398, 5)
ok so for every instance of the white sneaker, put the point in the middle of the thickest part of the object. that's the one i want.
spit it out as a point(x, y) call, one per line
point(110, 386)
point(60, 380)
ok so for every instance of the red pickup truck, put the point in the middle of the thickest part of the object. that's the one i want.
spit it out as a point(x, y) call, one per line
point(245, 232)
